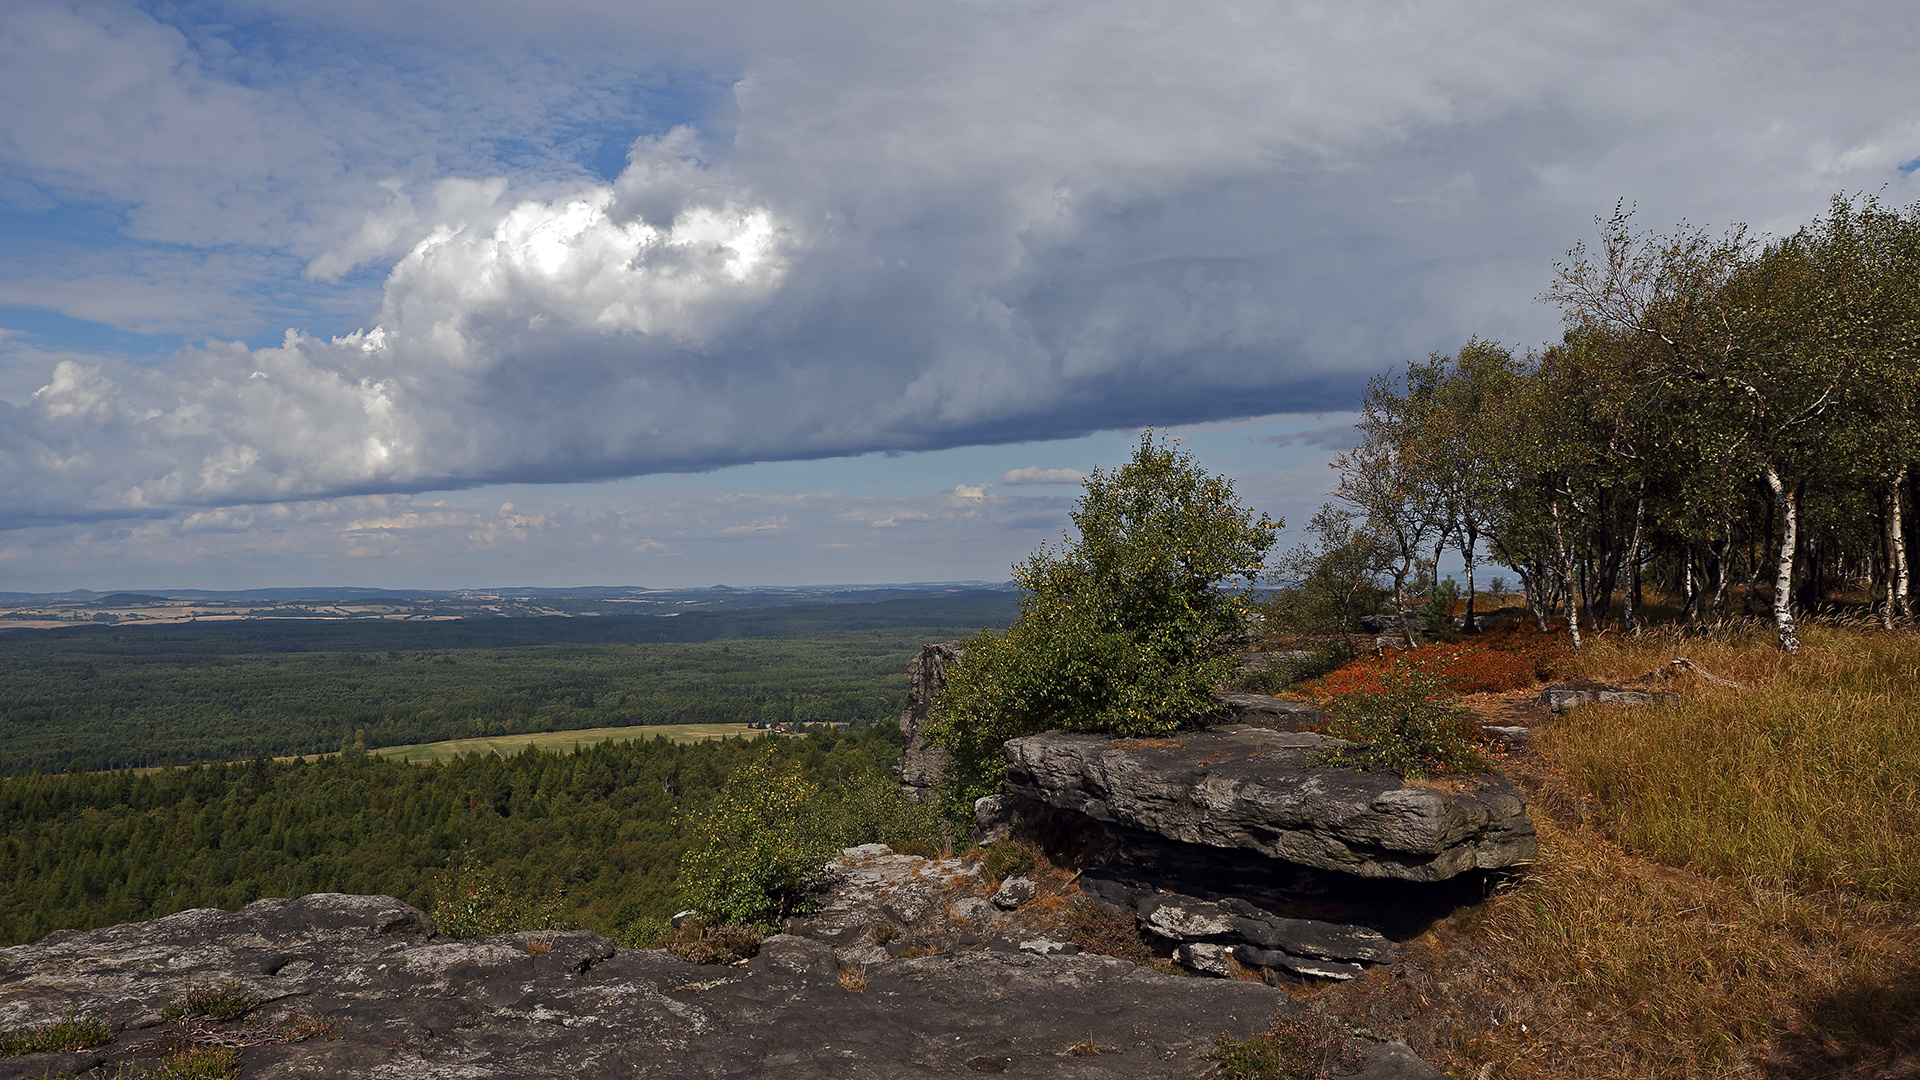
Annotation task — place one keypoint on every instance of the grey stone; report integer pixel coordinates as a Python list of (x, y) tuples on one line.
[(995, 816), (1396, 1061), (1509, 734), (1046, 946), (1484, 623), (407, 1005), (1251, 789), (1568, 693), (1379, 624), (1013, 892), (1206, 958), (921, 762), (1315, 938), (1280, 714), (1254, 956)]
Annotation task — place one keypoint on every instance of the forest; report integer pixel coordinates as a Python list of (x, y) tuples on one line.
[(598, 832), (1729, 419), (115, 698)]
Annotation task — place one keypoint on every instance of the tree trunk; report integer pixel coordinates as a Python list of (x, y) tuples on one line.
[(1783, 498), (1898, 605), (1629, 604), (1688, 591), (1566, 572), (1466, 554), (1722, 574)]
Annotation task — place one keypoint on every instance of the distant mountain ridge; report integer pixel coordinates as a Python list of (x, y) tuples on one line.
[(691, 599)]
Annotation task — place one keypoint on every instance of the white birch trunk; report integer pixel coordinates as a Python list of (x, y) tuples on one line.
[(1783, 570), (1897, 580), (1566, 572)]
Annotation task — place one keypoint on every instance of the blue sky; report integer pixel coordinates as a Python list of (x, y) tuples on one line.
[(444, 294)]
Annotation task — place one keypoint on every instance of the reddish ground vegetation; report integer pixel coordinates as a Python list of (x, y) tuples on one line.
[(1511, 658)]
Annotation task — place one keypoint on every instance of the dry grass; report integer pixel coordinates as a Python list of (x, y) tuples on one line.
[(1810, 776), (1728, 886)]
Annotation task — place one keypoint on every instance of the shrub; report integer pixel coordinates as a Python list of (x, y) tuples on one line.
[(1296, 1046), (473, 900), (1010, 857), (59, 1036), (1105, 931), (757, 849), (1126, 629), (225, 1000), (1436, 615), (713, 943), (1411, 725)]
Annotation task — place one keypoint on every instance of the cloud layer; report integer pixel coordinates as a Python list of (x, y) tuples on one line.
[(867, 228)]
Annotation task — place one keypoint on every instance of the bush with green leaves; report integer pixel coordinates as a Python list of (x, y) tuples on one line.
[(1413, 726), (1297, 1046), (1127, 628), (756, 850)]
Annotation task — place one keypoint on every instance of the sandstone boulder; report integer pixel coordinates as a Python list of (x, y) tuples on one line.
[(1251, 789)]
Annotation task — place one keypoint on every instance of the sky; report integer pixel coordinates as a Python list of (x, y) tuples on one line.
[(445, 294)]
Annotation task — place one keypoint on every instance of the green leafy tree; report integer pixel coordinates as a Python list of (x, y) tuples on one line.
[(1127, 629), (757, 849)]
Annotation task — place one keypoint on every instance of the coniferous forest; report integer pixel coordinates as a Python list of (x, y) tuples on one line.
[(599, 831)]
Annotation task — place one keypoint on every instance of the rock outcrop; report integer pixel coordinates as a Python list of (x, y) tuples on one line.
[(1278, 713), (1568, 693), (921, 762), (1251, 790), (399, 1002)]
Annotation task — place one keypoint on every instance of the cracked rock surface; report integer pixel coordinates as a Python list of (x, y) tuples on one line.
[(404, 1003)]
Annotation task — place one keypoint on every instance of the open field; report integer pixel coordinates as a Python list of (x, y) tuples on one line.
[(564, 741)]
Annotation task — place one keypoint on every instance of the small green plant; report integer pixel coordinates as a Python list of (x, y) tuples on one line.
[(1412, 726), (225, 1000), (886, 934), (58, 1036), (643, 932), (1296, 1046), (199, 1063)]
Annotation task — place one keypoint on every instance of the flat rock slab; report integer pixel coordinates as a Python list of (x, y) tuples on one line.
[(1278, 713), (406, 1004), (1568, 693), (1252, 789)]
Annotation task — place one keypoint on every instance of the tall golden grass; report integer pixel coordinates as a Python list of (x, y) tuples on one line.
[(1810, 776)]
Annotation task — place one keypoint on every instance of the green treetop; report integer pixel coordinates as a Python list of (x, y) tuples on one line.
[(1127, 629)]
